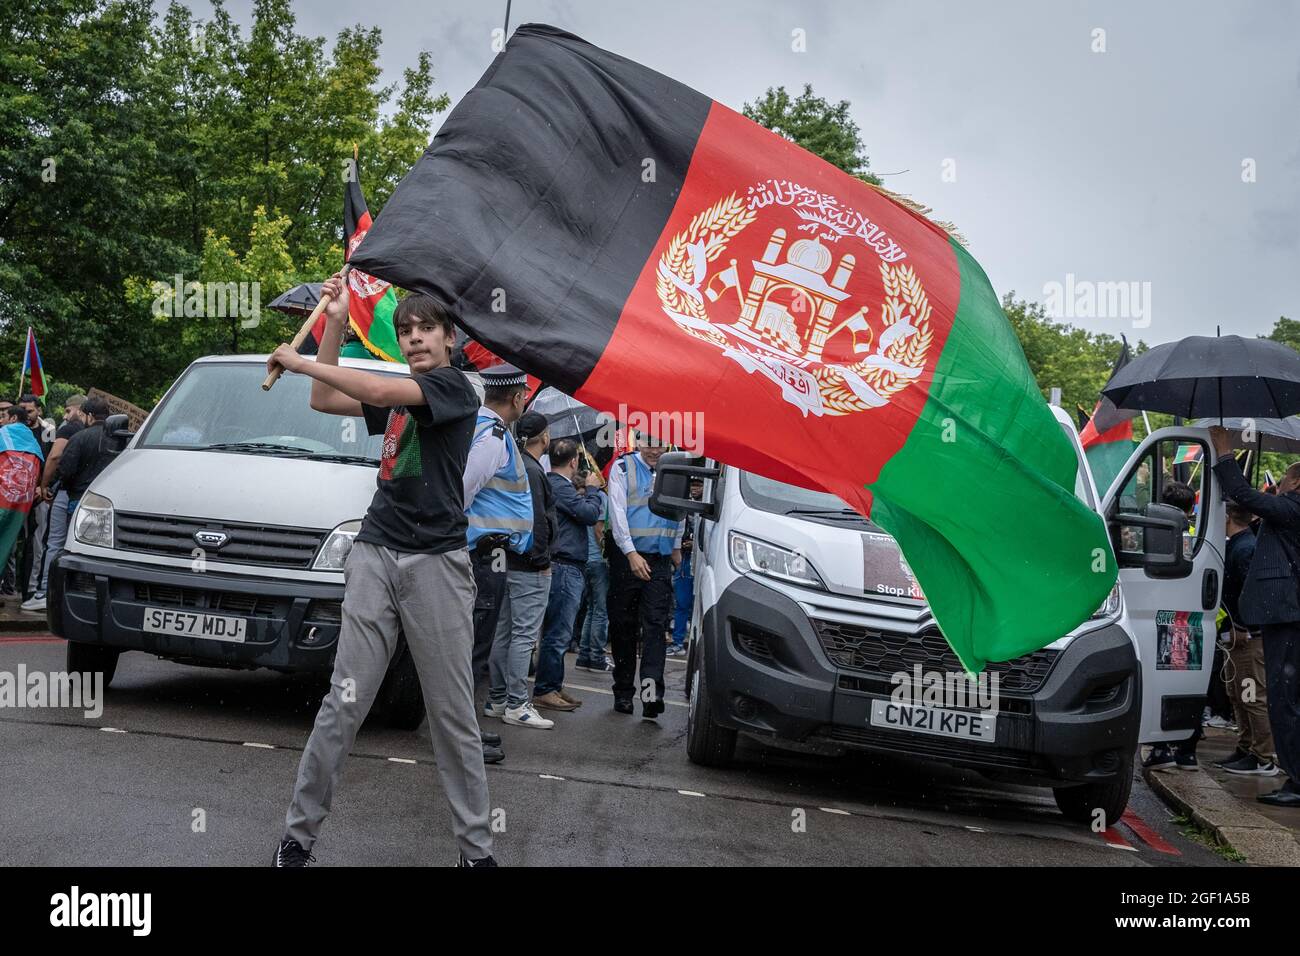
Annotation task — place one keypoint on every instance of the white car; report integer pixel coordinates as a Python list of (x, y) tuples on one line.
[(218, 534), (805, 611)]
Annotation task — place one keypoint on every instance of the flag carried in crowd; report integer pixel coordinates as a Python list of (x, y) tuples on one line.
[(20, 472), (32, 366), (370, 301), (656, 250), (1108, 436)]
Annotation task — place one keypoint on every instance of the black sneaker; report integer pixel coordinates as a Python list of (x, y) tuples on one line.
[(493, 754), (1159, 758), (291, 853), (651, 709), (622, 706), (486, 861), (1252, 766), (1233, 758), (489, 738), (1186, 761)]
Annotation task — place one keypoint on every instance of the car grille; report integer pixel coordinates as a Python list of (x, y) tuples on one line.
[(921, 745), (165, 595), (884, 653), (248, 544)]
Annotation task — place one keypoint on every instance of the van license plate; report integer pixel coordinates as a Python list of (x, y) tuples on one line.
[(214, 627), (968, 725)]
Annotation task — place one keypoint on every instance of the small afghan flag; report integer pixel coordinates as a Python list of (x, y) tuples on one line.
[(20, 472), (32, 366), (1187, 454), (1107, 438), (371, 301), (634, 243)]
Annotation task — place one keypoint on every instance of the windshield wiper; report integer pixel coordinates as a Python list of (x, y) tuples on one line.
[(827, 513), (253, 446), (341, 458)]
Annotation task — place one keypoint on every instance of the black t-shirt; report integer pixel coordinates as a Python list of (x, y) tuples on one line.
[(419, 504), (68, 429), (84, 457)]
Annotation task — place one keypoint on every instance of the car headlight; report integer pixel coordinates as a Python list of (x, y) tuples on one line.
[(93, 521), (334, 552), (1110, 607), (751, 555)]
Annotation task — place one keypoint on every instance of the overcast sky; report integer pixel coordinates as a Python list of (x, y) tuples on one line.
[(1117, 166)]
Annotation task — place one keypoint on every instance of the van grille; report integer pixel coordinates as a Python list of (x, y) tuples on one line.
[(166, 595), (249, 543), (880, 652)]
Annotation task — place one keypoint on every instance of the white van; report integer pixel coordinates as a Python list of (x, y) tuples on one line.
[(218, 535), (805, 612)]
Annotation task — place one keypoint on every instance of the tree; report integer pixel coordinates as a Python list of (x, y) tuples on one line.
[(1286, 331), (179, 146), (818, 126)]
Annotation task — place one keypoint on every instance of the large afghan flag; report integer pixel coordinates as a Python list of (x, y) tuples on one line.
[(370, 301), (20, 472), (632, 242)]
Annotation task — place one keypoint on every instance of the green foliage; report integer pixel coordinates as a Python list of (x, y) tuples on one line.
[(134, 147), (821, 127)]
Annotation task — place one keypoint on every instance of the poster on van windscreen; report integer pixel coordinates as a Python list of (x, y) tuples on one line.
[(884, 571)]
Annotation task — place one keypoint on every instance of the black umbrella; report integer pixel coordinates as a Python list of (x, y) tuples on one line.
[(1211, 377), (300, 300)]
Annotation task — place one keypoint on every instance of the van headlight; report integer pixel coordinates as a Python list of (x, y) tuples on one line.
[(334, 552), (92, 523), (749, 555), (1110, 607)]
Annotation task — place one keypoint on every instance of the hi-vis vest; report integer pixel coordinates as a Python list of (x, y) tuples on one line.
[(504, 505), (651, 534)]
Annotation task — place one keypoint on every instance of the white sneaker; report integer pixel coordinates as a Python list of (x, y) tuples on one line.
[(34, 603), (494, 710), (526, 716)]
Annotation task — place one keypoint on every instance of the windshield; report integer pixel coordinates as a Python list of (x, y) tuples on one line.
[(222, 404), (766, 494)]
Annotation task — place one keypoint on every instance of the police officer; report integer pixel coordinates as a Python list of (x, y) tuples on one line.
[(643, 550), (499, 509)]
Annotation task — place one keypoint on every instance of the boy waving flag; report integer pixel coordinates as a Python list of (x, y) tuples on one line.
[(631, 241)]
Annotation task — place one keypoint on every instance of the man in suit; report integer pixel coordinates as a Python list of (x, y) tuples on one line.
[(1270, 599)]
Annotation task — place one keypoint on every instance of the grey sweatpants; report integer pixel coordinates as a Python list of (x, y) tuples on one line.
[(431, 597)]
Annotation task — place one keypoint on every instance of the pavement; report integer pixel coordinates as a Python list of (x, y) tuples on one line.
[(1225, 804), (14, 620), (194, 766)]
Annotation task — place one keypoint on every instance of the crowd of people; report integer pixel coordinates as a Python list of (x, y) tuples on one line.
[(72, 454), (1255, 689)]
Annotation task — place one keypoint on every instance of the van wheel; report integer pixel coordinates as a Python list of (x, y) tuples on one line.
[(88, 658), (707, 742), (400, 703), (1109, 796)]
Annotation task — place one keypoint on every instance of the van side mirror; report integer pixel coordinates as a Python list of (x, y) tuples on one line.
[(1152, 540), (671, 497), (117, 432)]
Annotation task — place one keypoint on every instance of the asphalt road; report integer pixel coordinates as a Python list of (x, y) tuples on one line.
[(178, 744)]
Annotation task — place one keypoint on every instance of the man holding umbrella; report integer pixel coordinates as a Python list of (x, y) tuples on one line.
[(1271, 600)]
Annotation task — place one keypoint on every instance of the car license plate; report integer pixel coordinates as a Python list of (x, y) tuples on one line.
[(966, 724), (214, 627)]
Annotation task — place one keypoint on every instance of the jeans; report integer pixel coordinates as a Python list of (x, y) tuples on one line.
[(566, 593), (58, 536), (595, 628), (522, 609), (683, 598)]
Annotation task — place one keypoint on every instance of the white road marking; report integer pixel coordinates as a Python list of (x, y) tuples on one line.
[(843, 813), (1122, 846), (549, 776), (976, 829), (691, 793), (112, 730), (610, 693), (248, 743), (402, 760)]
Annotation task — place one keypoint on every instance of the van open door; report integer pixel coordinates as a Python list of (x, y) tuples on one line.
[(1171, 599)]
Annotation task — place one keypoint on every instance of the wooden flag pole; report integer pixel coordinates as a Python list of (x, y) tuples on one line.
[(301, 337)]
